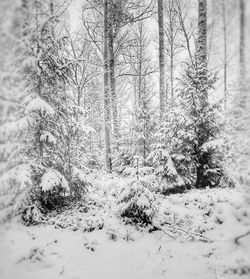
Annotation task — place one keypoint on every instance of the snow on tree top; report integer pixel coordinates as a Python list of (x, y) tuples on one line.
[(38, 104), (51, 179)]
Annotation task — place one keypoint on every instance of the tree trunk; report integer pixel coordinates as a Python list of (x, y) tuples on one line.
[(171, 35), (202, 90), (242, 46), (112, 81), (51, 7), (172, 71), (106, 91), (201, 52), (161, 58), (39, 88), (225, 52)]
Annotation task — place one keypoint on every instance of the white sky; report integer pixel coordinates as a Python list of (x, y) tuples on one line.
[(75, 13)]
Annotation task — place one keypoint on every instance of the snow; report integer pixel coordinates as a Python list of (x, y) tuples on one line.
[(19, 175), (213, 145), (77, 173), (40, 105), (15, 127), (51, 179), (89, 240), (64, 256), (47, 136)]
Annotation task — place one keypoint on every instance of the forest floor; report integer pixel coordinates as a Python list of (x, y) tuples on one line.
[(88, 241)]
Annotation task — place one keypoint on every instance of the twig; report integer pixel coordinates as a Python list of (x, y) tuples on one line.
[(167, 233), (190, 234), (236, 240)]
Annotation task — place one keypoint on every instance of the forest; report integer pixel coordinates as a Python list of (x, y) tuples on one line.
[(124, 139)]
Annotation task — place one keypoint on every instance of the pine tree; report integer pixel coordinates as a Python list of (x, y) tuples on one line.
[(35, 129)]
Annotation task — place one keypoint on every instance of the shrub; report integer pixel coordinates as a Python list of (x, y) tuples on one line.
[(79, 185), (32, 190), (137, 203)]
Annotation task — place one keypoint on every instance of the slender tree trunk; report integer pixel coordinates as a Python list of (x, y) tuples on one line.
[(39, 87), (242, 45), (51, 7), (106, 91), (225, 52), (161, 58), (112, 81), (171, 29), (166, 94), (201, 52), (140, 86), (40, 128), (172, 71), (202, 90)]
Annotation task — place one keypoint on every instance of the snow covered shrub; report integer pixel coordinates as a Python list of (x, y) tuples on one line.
[(53, 187), (33, 214), (31, 190), (112, 233), (128, 236), (79, 183), (36, 254), (172, 152), (123, 157), (137, 203)]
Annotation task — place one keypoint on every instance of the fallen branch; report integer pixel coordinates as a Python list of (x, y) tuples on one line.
[(168, 234), (176, 228), (193, 235), (236, 240)]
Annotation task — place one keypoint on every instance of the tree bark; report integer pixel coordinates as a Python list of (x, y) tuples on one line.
[(171, 41), (225, 52), (172, 70), (202, 91), (112, 81), (242, 45), (106, 91), (161, 58), (201, 52)]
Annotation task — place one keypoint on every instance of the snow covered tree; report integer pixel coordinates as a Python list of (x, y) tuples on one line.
[(173, 147), (36, 128), (161, 57), (207, 125), (140, 69), (107, 120), (188, 150)]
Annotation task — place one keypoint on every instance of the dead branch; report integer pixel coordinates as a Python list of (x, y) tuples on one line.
[(236, 240)]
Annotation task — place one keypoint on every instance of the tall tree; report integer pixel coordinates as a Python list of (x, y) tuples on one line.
[(161, 57), (225, 51), (141, 67), (106, 89), (223, 19), (171, 29), (201, 51), (242, 44)]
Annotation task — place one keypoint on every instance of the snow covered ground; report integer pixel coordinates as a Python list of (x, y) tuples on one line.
[(198, 239)]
